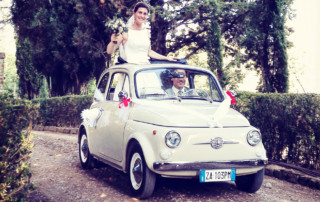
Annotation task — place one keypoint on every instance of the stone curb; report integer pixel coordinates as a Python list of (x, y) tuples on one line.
[(67, 130), (272, 170), (292, 176)]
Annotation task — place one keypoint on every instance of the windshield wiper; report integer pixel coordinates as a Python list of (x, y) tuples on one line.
[(198, 98), (173, 97), (153, 94)]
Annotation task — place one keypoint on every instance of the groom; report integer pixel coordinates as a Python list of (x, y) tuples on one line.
[(178, 81)]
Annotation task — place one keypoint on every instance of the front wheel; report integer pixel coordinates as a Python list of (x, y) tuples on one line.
[(250, 183), (142, 179), (86, 159)]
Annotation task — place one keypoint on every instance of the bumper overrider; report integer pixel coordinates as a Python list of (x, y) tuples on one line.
[(188, 166)]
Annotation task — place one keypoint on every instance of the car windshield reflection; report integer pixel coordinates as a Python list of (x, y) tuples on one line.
[(173, 83)]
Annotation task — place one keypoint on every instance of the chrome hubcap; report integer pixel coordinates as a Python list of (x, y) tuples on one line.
[(136, 171), (84, 148)]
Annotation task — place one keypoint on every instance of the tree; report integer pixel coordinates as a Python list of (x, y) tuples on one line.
[(68, 38), (240, 25), (214, 46), (30, 79), (11, 81), (255, 37), (265, 42)]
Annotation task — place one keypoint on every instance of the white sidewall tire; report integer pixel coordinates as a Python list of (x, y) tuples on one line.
[(136, 159), (86, 159), (83, 141), (142, 180)]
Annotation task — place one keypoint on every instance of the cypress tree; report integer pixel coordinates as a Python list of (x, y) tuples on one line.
[(30, 78), (214, 48), (266, 44)]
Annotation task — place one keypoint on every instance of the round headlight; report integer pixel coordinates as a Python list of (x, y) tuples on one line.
[(254, 137), (172, 139)]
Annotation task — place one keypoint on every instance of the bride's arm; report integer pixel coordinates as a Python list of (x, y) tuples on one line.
[(115, 42), (158, 56)]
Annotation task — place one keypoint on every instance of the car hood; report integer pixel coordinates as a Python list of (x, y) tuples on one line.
[(187, 113)]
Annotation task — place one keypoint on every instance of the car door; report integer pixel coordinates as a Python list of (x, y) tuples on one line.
[(98, 102), (111, 123)]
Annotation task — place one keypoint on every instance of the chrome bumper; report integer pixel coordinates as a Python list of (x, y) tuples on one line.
[(187, 166)]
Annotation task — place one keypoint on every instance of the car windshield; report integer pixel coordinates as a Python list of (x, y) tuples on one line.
[(173, 83)]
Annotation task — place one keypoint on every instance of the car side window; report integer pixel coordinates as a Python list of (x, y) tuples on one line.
[(103, 83), (215, 93), (101, 88), (126, 85), (119, 82)]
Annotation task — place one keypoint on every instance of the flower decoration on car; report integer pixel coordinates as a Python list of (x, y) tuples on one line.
[(233, 101), (125, 102), (91, 116)]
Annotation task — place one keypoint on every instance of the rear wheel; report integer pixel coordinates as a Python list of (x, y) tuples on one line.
[(250, 183), (86, 159), (142, 179)]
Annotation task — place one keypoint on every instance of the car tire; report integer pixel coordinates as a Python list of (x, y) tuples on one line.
[(250, 183), (86, 159), (142, 180)]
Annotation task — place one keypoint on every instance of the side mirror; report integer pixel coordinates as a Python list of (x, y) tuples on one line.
[(233, 93), (122, 95)]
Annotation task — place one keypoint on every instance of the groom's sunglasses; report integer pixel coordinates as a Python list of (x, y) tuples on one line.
[(175, 74)]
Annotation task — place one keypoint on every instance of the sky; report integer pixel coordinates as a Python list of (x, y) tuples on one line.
[(306, 40), (304, 57), (7, 43)]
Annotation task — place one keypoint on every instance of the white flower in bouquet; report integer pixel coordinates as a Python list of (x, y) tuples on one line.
[(116, 25)]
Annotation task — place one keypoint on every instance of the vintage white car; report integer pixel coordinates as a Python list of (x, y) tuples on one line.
[(138, 124)]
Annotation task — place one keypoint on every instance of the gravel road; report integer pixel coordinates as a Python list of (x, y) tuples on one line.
[(58, 176)]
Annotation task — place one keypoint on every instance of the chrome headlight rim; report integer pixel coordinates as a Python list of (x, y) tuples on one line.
[(254, 137), (172, 143)]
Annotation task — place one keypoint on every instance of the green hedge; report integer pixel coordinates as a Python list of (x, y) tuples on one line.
[(62, 111), (289, 123), (15, 147)]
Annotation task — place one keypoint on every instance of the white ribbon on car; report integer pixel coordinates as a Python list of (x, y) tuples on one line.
[(90, 117), (221, 112)]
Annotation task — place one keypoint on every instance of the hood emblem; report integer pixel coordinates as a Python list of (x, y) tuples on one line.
[(217, 143)]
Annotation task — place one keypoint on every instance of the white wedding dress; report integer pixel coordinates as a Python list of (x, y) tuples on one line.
[(137, 46)]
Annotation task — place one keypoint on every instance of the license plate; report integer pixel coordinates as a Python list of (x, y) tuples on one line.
[(217, 175)]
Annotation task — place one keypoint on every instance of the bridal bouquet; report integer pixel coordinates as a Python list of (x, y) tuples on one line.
[(116, 25)]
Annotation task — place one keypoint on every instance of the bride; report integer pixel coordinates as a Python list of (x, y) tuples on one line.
[(135, 46)]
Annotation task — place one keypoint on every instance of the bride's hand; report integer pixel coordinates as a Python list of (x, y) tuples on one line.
[(116, 38), (172, 59)]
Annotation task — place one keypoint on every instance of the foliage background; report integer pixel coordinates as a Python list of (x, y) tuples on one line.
[(62, 111), (68, 39), (16, 118), (11, 81), (289, 123)]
